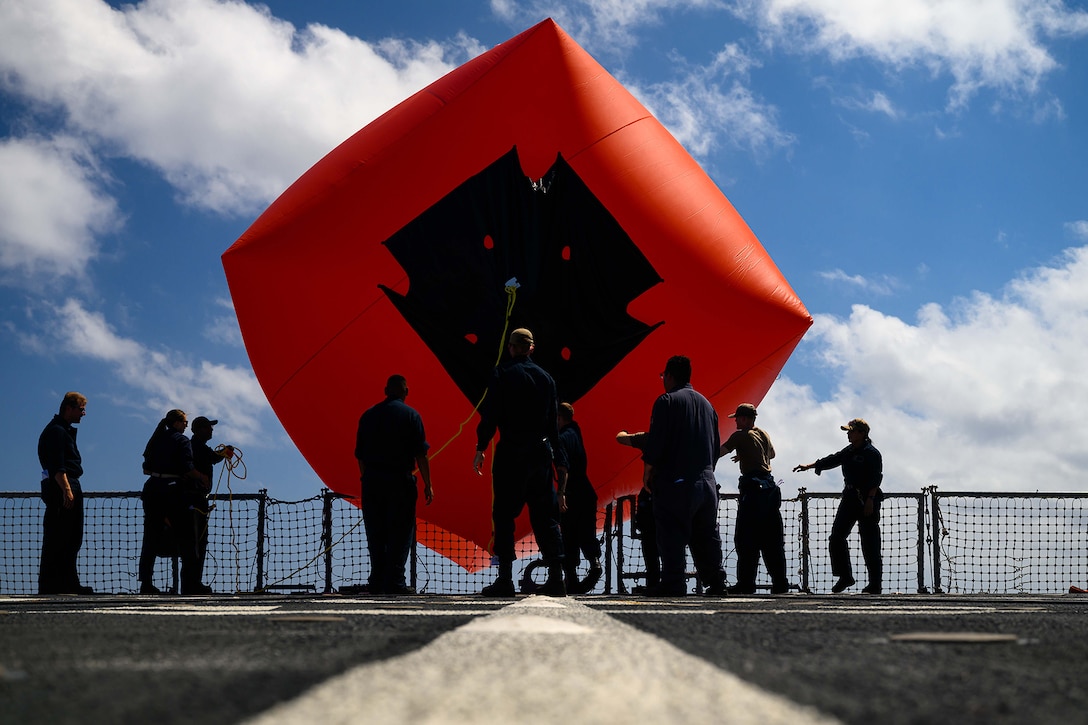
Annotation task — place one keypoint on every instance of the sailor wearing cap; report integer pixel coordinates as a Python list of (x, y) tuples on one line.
[(862, 473), (759, 511)]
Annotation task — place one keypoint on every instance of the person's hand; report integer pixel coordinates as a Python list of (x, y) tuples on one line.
[(562, 503), (623, 438), (428, 494), (69, 497), (478, 462), (868, 510), (802, 467)]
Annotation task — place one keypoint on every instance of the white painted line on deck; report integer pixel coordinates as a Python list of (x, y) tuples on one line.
[(525, 624), (538, 603), (509, 667)]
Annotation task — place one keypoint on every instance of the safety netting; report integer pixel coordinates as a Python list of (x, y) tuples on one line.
[(931, 542)]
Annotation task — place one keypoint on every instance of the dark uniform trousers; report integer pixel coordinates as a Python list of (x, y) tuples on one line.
[(522, 476), (759, 530), (62, 537), (850, 511), (199, 503), (686, 514), (170, 529), (579, 526), (389, 515), (644, 520), (183, 500), (157, 534)]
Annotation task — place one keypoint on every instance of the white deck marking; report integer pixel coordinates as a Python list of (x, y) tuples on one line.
[(524, 624), (495, 670), (539, 603)]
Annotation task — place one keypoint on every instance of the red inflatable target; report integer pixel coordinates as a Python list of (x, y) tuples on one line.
[(526, 188)]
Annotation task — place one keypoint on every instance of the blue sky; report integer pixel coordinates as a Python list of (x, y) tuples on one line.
[(917, 169)]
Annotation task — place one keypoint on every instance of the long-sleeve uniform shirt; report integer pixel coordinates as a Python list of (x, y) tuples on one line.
[(862, 467), (390, 437), (204, 458), (521, 403), (169, 454), (683, 440), (579, 488), (57, 450)]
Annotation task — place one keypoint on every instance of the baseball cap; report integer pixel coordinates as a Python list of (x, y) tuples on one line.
[(857, 424), (201, 421), (745, 409)]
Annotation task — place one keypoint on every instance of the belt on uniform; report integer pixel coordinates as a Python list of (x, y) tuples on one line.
[(163, 475)]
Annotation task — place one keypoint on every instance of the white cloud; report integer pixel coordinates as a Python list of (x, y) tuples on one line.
[(989, 394), (883, 286), (880, 103), (710, 102), (229, 103), (997, 44), (224, 328), (167, 378), (52, 205), (1078, 229), (1048, 109), (877, 102)]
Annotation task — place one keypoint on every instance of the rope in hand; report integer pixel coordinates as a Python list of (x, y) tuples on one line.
[(511, 290), (232, 459)]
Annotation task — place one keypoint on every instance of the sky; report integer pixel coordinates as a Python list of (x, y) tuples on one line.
[(918, 170)]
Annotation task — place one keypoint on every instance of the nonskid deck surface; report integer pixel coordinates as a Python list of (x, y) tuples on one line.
[(431, 658)]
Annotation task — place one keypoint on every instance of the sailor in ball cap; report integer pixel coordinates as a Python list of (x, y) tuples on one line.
[(204, 460), (857, 424), (862, 473), (759, 511), (204, 457)]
